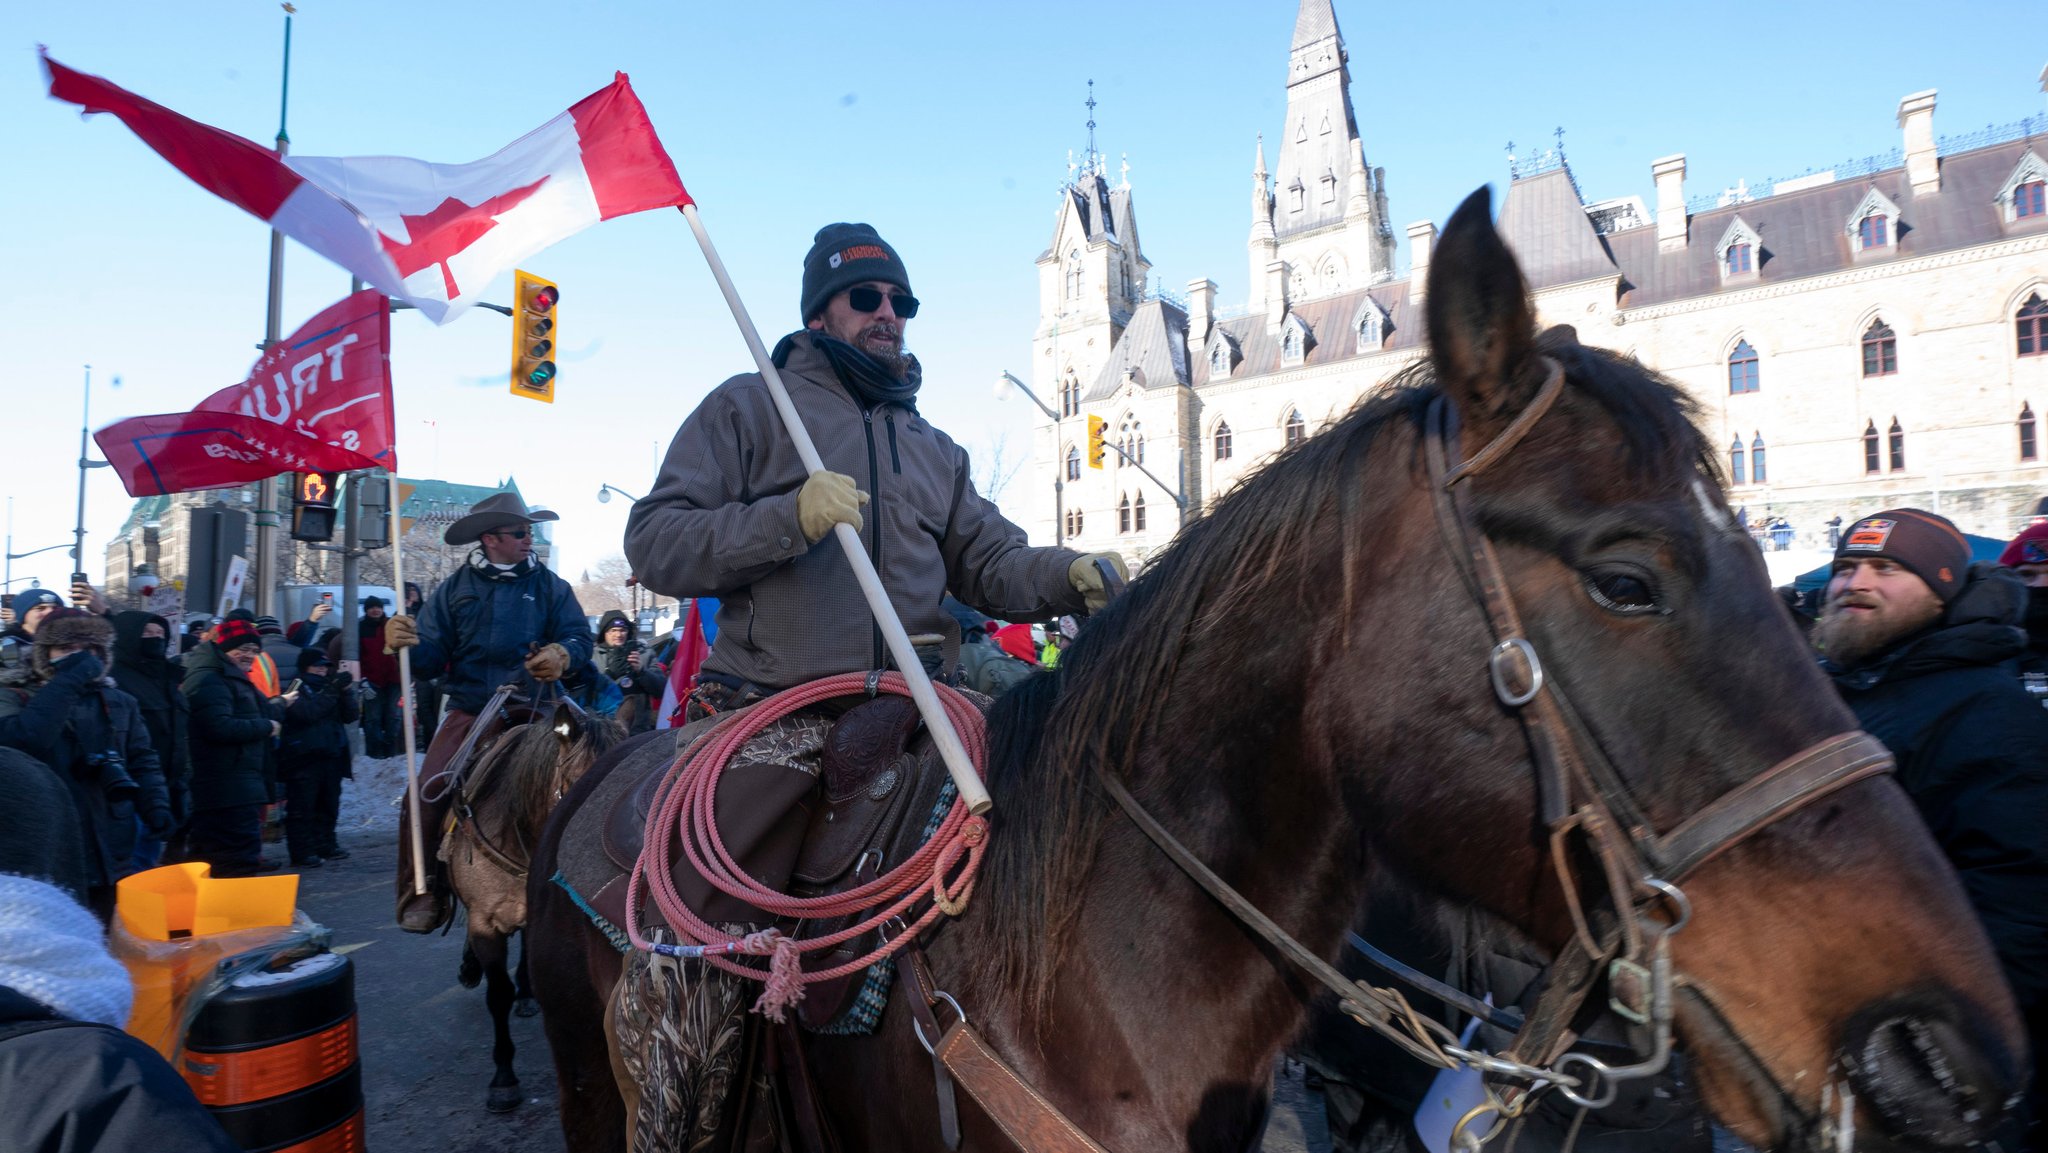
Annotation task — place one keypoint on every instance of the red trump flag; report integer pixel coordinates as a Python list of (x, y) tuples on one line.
[(318, 401)]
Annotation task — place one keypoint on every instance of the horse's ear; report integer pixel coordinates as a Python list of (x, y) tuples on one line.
[(1481, 326)]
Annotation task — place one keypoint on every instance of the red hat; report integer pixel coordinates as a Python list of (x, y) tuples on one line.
[(2030, 547), (1015, 640), (231, 634)]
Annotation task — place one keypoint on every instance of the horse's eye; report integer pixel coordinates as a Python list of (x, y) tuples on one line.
[(1622, 591)]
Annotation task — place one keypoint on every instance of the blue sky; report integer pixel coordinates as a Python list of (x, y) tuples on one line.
[(946, 125)]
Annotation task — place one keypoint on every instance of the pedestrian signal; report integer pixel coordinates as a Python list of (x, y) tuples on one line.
[(534, 338), (313, 505), (1095, 426)]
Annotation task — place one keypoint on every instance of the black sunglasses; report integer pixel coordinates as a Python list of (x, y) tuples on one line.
[(869, 299), (517, 535)]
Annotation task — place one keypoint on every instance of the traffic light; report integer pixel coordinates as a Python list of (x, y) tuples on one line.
[(1095, 426), (313, 505), (534, 338), (373, 508)]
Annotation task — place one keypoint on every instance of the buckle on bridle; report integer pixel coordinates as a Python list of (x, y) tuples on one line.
[(1531, 672)]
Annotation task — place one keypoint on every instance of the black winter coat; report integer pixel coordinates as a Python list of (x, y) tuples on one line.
[(77, 1088), (153, 682), (1972, 747), (314, 727), (66, 721), (230, 733)]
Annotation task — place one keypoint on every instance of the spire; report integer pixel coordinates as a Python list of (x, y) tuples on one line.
[(1262, 197), (1094, 160), (1315, 21), (1259, 162)]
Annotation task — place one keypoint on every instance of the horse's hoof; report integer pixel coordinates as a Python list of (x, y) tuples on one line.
[(471, 971), (526, 1007), (503, 1098)]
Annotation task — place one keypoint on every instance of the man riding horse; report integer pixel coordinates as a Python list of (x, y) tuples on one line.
[(501, 618), (734, 515)]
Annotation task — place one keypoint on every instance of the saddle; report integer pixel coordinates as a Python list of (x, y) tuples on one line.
[(809, 834)]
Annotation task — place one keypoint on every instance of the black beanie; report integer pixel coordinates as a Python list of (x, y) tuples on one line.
[(843, 255), (1925, 544)]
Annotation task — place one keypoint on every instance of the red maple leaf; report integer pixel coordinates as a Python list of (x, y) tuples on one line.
[(447, 229)]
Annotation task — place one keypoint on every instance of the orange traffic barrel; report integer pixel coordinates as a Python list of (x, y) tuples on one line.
[(273, 1057)]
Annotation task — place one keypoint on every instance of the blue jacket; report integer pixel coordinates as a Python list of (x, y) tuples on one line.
[(476, 631)]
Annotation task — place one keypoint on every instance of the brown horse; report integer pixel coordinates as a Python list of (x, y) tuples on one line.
[(526, 760), (1298, 690)]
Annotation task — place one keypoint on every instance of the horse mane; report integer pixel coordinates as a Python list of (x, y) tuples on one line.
[(537, 764), (1050, 736)]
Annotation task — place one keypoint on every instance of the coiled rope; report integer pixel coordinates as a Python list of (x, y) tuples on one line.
[(942, 869)]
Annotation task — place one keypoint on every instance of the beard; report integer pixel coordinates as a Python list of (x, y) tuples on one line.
[(883, 342), (1852, 639)]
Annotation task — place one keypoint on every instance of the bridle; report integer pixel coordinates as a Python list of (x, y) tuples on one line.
[(1584, 802)]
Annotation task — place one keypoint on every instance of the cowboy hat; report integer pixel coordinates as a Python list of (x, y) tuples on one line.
[(498, 510)]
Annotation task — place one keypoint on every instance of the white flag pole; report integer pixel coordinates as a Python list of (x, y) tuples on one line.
[(412, 773), (965, 779)]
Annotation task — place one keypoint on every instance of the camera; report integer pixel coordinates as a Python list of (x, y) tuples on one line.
[(110, 771)]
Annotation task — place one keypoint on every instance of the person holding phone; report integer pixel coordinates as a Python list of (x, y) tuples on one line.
[(313, 759)]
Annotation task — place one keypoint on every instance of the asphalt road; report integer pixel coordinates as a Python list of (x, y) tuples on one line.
[(426, 1040)]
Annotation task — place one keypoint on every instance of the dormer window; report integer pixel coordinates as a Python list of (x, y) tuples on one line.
[(1371, 328), (1740, 252), (1222, 355), (1874, 226), (1329, 186), (1295, 341), (2025, 194), (1295, 194)]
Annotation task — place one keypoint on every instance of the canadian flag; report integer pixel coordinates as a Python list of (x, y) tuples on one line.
[(432, 235)]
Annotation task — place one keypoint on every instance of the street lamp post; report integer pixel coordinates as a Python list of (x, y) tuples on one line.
[(84, 462), (1004, 383), (605, 491)]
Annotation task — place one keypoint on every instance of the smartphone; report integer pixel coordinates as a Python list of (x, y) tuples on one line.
[(326, 598), (293, 687)]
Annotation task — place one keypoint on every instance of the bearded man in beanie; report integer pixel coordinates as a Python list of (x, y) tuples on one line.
[(1919, 643), (63, 710), (502, 618), (734, 515), (233, 726)]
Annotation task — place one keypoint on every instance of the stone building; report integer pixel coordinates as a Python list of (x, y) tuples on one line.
[(1875, 334)]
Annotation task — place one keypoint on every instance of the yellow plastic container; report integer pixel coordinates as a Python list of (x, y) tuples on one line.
[(180, 901), (177, 923)]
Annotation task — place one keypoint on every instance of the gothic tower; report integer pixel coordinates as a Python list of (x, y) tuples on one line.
[(1326, 213), (1090, 279)]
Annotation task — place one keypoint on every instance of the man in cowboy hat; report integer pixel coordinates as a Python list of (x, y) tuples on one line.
[(501, 618), (734, 514)]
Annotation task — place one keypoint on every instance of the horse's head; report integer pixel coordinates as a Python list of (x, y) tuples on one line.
[(1832, 972)]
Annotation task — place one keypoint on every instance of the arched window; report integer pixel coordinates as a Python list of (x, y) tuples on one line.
[(1873, 231), (1138, 513), (1074, 274), (1123, 515), (1130, 437), (2030, 200), (2031, 325), (1736, 473), (1880, 349), (1070, 394), (1898, 446), (1739, 259), (1370, 331), (1073, 524), (1742, 373), (1222, 439), (1073, 462), (1757, 474), (2029, 446), (1295, 430), (1870, 458)]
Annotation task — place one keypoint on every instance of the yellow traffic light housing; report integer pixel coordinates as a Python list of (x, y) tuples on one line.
[(313, 505), (534, 337), (1095, 426)]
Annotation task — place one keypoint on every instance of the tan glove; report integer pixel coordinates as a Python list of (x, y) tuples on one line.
[(828, 498), (548, 664), (1088, 582), (400, 632)]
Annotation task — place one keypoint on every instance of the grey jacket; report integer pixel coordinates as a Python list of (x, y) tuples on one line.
[(721, 521)]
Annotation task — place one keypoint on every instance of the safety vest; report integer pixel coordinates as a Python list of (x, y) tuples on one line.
[(263, 674)]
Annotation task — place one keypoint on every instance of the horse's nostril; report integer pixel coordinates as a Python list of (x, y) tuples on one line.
[(1926, 1080)]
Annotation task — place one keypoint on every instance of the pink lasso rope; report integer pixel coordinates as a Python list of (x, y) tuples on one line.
[(942, 870)]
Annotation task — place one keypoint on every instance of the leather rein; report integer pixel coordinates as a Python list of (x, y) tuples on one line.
[(1583, 800)]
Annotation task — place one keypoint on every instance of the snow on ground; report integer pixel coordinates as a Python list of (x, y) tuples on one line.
[(371, 800)]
